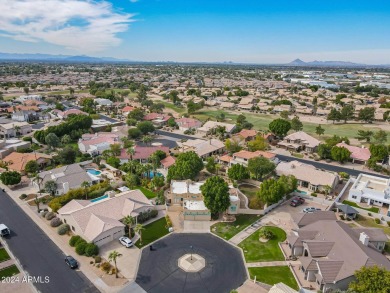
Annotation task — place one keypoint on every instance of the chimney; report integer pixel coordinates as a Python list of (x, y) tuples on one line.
[(364, 238)]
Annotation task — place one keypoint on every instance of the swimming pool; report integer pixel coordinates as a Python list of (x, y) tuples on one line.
[(99, 198), (152, 174), (94, 172)]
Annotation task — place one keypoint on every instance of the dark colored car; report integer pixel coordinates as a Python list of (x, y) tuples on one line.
[(297, 201), (71, 262)]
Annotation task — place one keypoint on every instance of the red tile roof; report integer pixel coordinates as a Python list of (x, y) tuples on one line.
[(168, 161), (361, 154)]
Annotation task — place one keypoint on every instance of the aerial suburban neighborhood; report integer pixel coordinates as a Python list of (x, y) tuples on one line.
[(197, 158)]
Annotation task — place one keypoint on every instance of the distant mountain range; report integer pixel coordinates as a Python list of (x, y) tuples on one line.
[(63, 58), (299, 62)]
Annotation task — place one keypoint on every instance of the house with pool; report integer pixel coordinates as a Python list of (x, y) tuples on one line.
[(95, 144), (99, 220), (69, 177)]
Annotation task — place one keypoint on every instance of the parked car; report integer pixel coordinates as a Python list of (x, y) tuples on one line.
[(125, 241), (71, 262), (4, 230), (297, 201), (310, 210)]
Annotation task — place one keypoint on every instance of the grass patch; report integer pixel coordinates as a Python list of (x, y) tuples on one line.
[(4, 255), (368, 222), (228, 230), (297, 155), (354, 204), (173, 107), (250, 192), (255, 251), (274, 275), (9, 272), (152, 232), (148, 193)]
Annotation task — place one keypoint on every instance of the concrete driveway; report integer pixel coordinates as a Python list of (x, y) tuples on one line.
[(128, 263)]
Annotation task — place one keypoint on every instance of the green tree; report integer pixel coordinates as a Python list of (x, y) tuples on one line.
[(340, 154), (193, 107), (347, 113), (215, 192), (334, 115), (171, 122), (324, 151), (320, 130), (296, 124), (52, 140), (380, 136), (112, 257), (284, 114), (260, 167), (238, 172), (114, 162), (271, 191), (233, 145), (371, 280), (115, 149), (129, 221), (145, 127), (51, 187), (137, 114), (65, 139), (379, 151), (138, 229), (365, 135), (85, 185), (367, 114), (280, 127), (10, 177), (187, 166), (211, 165), (67, 155), (132, 180), (134, 133), (31, 167), (258, 144)]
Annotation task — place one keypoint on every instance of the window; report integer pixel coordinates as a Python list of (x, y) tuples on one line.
[(354, 196)]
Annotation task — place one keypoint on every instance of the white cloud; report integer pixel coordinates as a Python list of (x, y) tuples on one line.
[(81, 25)]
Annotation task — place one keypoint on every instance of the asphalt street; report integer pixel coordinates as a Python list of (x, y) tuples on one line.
[(327, 166), (174, 135), (39, 256)]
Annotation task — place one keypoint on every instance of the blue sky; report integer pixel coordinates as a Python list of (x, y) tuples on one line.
[(212, 31)]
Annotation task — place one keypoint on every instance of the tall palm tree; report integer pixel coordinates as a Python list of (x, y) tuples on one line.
[(112, 258), (130, 151), (129, 221), (85, 185), (148, 168), (138, 229)]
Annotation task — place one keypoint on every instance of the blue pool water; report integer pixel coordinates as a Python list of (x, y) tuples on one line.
[(99, 198), (94, 172), (152, 174), (301, 191)]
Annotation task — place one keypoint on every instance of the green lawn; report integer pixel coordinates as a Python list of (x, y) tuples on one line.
[(152, 232), (354, 204), (250, 192), (368, 222), (228, 230), (255, 251), (274, 275), (173, 107), (148, 193), (4, 255), (9, 272)]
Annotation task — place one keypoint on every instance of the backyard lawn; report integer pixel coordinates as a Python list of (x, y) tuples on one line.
[(9, 272), (256, 251), (4, 255), (354, 204), (250, 192), (368, 222), (148, 193), (152, 232), (228, 230), (274, 275)]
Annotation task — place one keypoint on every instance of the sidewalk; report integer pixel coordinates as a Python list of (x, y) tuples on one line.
[(271, 263), (6, 264)]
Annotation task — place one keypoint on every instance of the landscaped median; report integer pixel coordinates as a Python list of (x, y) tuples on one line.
[(274, 275), (258, 249), (227, 230)]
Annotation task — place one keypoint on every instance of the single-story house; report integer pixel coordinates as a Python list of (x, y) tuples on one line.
[(17, 161), (188, 123), (97, 143), (142, 153), (204, 148), (247, 134), (299, 141), (358, 155), (209, 125), (242, 157)]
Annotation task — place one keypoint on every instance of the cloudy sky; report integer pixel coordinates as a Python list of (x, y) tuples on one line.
[(199, 30)]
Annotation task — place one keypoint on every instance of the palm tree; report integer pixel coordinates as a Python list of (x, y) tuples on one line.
[(138, 229), (112, 258), (130, 151), (17, 130), (85, 185), (38, 180), (147, 139), (148, 168), (129, 221)]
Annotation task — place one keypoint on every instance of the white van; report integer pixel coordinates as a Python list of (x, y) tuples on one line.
[(4, 230)]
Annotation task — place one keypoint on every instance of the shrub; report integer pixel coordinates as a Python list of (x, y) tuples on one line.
[(169, 223), (50, 215), (342, 217), (313, 194), (80, 248), (154, 213), (105, 266), (113, 271), (55, 222), (63, 229), (370, 214), (265, 233), (73, 240), (377, 221), (91, 249), (23, 196), (98, 259), (388, 223), (44, 213), (80, 240)]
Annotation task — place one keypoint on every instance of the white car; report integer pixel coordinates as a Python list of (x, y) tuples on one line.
[(310, 210), (125, 241), (4, 230)]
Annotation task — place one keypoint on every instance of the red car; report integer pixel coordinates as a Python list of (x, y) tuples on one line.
[(297, 201)]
